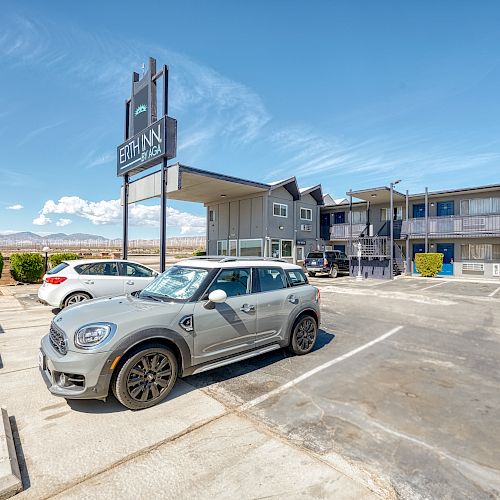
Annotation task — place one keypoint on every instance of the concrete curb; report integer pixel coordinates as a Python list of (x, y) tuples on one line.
[(10, 477)]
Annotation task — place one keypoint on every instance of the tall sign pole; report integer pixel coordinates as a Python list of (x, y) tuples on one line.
[(149, 140), (163, 200)]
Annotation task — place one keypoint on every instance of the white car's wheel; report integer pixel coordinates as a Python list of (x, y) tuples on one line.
[(75, 298)]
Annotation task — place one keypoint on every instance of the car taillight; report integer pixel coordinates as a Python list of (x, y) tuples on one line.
[(318, 295), (55, 280)]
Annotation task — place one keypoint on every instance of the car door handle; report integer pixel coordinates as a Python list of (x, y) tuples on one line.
[(88, 282), (293, 299), (129, 282), (246, 308)]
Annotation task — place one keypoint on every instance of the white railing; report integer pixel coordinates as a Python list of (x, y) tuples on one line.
[(341, 231), (453, 224)]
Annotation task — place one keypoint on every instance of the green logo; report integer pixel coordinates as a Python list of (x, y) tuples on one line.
[(142, 108)]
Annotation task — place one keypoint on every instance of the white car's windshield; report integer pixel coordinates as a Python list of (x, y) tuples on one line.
[(179, 283)]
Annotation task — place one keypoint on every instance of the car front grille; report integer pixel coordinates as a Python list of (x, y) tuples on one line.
[(58, 339)]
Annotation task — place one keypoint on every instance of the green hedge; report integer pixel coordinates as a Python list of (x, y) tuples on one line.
[(429, 264), (1, 264), (26, 267), (199, 253), (56, 258)]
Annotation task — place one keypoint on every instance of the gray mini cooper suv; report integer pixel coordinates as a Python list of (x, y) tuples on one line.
[(200, 314)]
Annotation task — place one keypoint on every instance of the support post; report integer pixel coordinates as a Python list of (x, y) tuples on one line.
[(125, 217), (350, 222), (163, 215), (391, 225), (408, 259), (426, 220)]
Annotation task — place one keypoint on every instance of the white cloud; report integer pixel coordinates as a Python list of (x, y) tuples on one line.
[(108, 212), (63, 222), (41, 220), (17, 206)]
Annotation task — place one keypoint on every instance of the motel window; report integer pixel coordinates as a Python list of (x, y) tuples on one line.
[(232, 248), (286, 248), (480, 251), (385, 213), (359, 217), (306, 214), (211, 215), (222, 247), (280, 210), (480, 206), (275, 249), (250, 248)]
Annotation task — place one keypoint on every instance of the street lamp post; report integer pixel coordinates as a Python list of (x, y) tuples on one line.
[(46, 250), (391, 215), (359, 275)]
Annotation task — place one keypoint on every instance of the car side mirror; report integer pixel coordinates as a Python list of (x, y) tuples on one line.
[(155, 274), (216, 297)]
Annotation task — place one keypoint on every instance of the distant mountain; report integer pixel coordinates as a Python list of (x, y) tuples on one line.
[(33, 237)]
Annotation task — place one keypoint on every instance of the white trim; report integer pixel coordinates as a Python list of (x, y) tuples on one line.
[(281, 205)]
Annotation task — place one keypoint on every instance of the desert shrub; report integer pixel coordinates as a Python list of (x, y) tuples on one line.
[(199, 253), (429, 264), (26, 267), (1, 264), (56, 258)]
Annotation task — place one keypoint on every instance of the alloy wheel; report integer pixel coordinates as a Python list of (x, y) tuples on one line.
[(306, 334)]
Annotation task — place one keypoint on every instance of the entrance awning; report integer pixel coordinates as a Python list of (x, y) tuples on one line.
[(191, 184), (377, 195)]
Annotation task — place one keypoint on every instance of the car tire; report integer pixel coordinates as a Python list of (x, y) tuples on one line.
[(334, 271), (311, 274), (142, 380), (303, 336), (75, 298)]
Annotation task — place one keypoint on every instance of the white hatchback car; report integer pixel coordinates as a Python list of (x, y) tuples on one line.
[(74, 281)]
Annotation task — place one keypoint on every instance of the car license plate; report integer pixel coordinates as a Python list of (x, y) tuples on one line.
[(41, 360), (313, 263)]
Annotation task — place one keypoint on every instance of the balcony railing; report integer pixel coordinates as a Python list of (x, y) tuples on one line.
[(453, 225), (341, 231)]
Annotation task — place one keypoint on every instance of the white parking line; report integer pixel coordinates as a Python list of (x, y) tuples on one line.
[(494, 292), (310, 373), (435, 284)]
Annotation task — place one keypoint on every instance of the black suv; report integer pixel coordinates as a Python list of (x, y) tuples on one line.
[(330, 262)]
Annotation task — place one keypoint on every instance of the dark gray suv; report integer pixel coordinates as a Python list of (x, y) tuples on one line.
[(199, 314)]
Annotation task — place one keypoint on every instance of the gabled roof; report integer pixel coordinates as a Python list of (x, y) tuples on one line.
[(289, 184), (315, 191)]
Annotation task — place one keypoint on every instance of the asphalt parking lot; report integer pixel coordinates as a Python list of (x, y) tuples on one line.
[(399, 399)]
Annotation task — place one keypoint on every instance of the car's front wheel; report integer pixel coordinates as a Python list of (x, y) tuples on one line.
[(304, 335), (146, 377)]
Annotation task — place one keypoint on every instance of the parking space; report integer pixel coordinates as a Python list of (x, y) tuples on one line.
[(399, 398)]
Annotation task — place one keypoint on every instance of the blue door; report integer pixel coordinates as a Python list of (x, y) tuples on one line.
[(339, 218), (418, 210), (445, 208), (417, 248), (325, 226), (448, 251)]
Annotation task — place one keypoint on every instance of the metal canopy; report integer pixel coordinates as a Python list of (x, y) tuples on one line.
[(377, 195), (191, 184)]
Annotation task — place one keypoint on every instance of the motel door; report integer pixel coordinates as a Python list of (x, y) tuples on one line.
[(448, 251)]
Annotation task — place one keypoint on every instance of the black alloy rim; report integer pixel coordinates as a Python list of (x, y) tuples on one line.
[(306, 334), (150, 377)]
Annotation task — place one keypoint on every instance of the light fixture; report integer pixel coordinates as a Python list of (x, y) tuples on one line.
[(373, 195), (281, 227), (223, 195)]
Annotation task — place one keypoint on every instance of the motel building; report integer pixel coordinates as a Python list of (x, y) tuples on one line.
[(282, 220)]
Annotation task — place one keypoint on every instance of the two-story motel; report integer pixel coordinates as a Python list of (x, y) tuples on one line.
[(280, 219)]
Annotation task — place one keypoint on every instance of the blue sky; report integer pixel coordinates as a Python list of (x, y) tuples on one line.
[(349, 94)]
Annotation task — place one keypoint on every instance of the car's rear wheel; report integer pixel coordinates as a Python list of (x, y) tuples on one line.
[(146, 377), (304, 335), (311, 274), (334, 271), (75, 298)]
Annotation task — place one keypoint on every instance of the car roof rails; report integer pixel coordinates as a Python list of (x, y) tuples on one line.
[(219, 258)]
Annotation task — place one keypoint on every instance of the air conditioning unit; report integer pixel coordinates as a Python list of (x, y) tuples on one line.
[(305, 227), (496, 269)]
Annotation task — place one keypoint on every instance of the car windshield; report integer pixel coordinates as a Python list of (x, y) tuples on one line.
[(314, 255), (178, 283)]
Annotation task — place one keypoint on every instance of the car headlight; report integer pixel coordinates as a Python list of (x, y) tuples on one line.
[(94, 334)]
